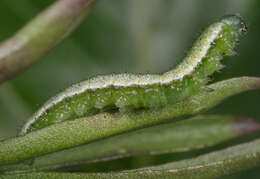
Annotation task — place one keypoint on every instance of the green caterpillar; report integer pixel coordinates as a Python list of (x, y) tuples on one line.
[(130, 91)]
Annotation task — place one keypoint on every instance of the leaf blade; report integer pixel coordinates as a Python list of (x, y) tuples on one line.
[(213, 165), (186, 135)]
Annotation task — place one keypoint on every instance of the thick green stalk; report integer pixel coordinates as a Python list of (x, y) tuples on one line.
[(72, 133), (40, 35)]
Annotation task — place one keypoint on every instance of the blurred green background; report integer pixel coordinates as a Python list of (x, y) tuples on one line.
[(126, 36)]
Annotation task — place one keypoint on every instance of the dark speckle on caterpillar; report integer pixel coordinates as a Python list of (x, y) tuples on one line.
[(130, 91)]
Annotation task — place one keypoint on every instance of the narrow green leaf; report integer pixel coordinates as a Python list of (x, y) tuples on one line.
[(49, 176), (213, 165), (216, 164), (186, 135), (40, 35), (72, 133)]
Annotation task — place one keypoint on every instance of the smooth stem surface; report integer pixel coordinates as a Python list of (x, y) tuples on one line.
[(40, 35), (72, 133)]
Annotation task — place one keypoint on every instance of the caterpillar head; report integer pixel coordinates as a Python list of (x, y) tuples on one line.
[(236, 23), (233, 27)]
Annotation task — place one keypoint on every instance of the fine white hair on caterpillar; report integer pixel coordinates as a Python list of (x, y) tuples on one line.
[(132, 91)]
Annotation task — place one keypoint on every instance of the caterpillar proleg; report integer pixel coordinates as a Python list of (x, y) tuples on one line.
[(131, 91)]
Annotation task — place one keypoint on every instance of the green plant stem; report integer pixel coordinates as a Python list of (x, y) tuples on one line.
[(72, 133), (212, 165), (186, 135), (40, 35)]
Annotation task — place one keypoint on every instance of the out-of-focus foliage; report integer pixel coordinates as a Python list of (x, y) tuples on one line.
[(119, 36)]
